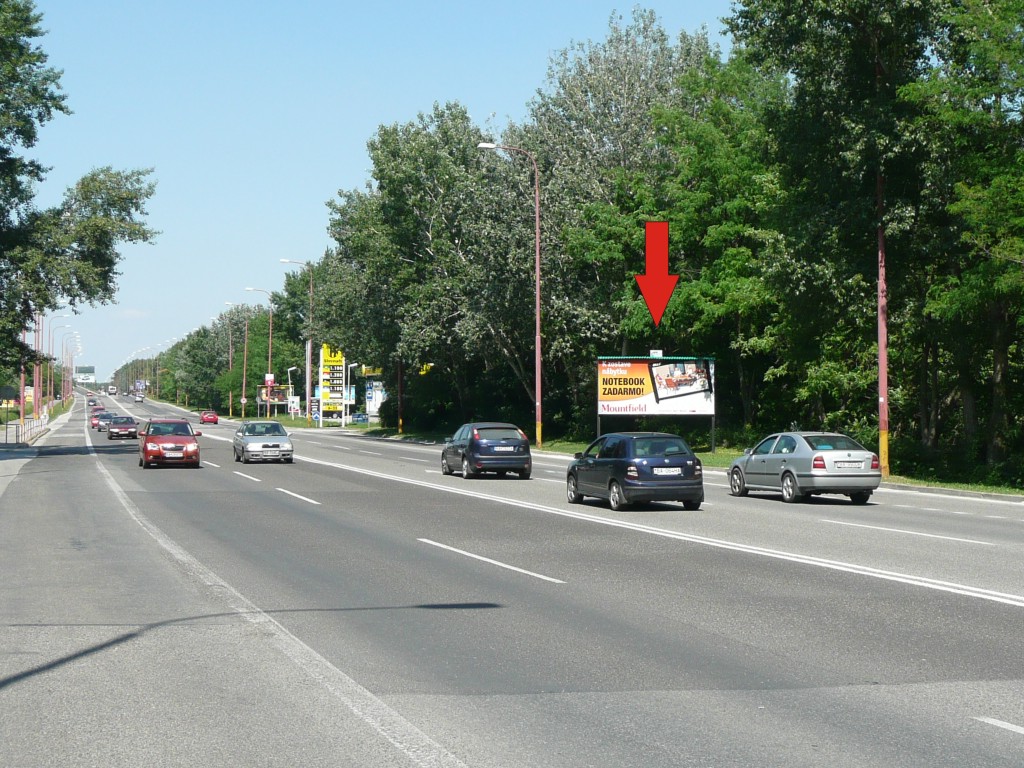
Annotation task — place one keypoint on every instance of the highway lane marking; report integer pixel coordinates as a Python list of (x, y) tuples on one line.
[(417, 746), (411, 458), (909, 533), (819, 562), (1001, 724), (248, 477), (311, 501), (211, 464), (371, 453), (492, 562)]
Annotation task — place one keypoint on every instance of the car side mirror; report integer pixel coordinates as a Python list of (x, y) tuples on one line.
[(448, 439), (578, 455), (747, 451), (198, 434)]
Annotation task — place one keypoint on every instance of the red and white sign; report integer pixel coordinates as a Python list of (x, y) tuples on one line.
[(268, 379)]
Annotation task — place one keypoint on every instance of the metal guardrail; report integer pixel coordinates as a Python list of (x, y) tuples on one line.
[(16, 432)]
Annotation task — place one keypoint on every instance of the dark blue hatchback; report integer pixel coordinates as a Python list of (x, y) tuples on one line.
[(487, 446), (630, 467)]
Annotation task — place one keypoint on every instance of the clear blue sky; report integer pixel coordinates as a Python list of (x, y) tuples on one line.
[(254, 114)]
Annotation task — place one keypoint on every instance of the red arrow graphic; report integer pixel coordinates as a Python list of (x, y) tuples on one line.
[(656, 284)]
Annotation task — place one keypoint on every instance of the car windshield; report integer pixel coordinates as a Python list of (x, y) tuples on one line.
[(177, 430), (833, 443), (122, 420), (660, 446), (498, 433), (263, 430)]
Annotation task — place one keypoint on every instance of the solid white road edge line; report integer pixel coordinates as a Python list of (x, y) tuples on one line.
[(863, 570), (492, 562), (909, 533), (403, 735)]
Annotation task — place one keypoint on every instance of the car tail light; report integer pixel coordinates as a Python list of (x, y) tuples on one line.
[(631, 471), (523, 435), (818, 462), (476, 435), (875, 464)]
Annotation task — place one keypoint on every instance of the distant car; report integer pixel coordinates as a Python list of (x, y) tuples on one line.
[(262, 441), (103, 419), (91, 402), (139, 398), (208, 417), (630, 467), (168, 441), (94, 420), (801, 464), (487, 446), (122, 427)]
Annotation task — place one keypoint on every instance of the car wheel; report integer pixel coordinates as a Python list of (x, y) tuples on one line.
[(445, 469), (737, 486), (245, 459), (616, 498), (142, 463), (572, 493), (289, 460), (691, 506), (861, 497), (237, 457), (467, 471), (790, 490), (524, 475)]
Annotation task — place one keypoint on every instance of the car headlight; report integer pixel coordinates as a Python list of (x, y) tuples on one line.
[(286, 446), (192, 447), (152, 446)]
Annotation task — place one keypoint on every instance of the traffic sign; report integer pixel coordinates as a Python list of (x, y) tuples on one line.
[(243, 400)]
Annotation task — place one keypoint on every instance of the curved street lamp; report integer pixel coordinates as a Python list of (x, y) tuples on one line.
[(537, 342)]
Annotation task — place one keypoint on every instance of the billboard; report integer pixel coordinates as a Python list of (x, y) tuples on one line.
[(655, 386)]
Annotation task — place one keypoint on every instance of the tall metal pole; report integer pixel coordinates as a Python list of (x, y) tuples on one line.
[(245, 363), (309, 338), (537, 363), (883, 336)]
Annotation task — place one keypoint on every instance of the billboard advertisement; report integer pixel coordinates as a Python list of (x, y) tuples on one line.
[(656, 386)]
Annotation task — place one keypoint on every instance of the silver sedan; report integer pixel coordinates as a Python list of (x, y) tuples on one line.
[(262, 441), (801, 464)]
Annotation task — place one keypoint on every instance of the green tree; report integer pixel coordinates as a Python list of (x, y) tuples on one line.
[(66, 255)]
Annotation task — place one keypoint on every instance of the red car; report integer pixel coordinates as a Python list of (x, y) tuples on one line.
[(95, 419), (168, 441), (208, 417)]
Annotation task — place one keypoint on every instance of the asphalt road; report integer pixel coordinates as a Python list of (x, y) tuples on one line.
[(357, 608)]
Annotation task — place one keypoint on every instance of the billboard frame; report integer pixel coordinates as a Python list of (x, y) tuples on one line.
[(640, 386)]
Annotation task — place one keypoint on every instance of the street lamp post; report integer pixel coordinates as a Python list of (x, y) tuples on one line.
[(309, 338), (49, 376), (270, 343), (344, 392), (537, 341), (292, 368)]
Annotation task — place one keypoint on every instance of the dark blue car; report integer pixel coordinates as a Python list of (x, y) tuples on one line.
[(631, 467)]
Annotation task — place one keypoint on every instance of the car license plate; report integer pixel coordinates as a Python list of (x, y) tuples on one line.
[(504, 448), (849, 464), (271, 453), (174, 454), (668, 470)]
